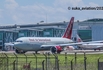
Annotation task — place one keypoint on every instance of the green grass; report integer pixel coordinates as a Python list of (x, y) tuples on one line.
[(64, 61)]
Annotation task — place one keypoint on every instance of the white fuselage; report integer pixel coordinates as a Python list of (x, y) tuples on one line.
[(35, 43), (91, 45)]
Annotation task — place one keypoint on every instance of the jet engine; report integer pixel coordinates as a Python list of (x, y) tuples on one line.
[(55, 49)]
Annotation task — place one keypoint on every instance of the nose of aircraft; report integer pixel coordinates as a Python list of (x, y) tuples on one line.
[(17, 45)]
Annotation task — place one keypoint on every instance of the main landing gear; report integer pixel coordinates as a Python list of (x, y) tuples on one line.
[(20, 51), (36, 52)]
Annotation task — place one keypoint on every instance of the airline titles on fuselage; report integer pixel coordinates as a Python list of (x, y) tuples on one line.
[(39, 39)]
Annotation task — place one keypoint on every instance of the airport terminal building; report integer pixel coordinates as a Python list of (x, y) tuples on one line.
[(91, 29)]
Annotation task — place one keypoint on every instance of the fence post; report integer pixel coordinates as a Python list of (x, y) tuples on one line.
[(2, 61), (72, 64), (75, 58), (85, 61), (56, 62), (43, 64), (14, 65), (65, 58), (26, 58), (7, 60), (46, 60), (16, 61), (98, 63), (36, 59)]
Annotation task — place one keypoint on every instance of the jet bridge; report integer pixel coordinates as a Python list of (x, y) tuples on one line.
[(7, 36)]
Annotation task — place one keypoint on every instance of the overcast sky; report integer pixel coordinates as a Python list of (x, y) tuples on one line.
[(33, 11)]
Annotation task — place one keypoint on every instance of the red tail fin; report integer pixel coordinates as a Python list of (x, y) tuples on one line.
[(68, 31), (79, 39)]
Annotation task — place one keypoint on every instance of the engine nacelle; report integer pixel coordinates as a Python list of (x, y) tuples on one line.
[(55, 49)]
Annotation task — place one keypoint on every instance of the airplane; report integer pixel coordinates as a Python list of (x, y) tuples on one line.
[(54, 44), (95, 46)]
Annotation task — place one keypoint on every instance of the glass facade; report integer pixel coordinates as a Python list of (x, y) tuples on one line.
[(40, 34), (53, 32), (6, 37), (85, 35), (22, 33), (1, 39), (29, 33), (48, 32), (58, 32)]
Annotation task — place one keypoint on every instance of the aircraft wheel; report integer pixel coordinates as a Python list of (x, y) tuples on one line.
[(94, 49), (36, 52), (99, 49), (19, 51)]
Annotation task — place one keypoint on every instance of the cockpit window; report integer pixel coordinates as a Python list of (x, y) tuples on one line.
[(18, 41)]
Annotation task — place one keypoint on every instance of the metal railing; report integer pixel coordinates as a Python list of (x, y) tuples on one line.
[(47, 62)]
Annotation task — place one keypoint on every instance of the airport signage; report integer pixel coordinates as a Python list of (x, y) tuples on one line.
[(84, 27)]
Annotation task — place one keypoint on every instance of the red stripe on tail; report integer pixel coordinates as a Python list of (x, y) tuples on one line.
[(68, 31), (79, 39)]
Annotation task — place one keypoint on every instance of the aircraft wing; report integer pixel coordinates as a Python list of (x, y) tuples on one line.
[(95, 41), (62, 45), (48, 46), (99, 46), (80, 43), (69, 44)]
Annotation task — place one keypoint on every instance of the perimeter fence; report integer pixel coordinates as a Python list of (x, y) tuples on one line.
[(47, 61)]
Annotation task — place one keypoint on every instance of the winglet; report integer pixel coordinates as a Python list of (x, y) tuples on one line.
[(68, 31)]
